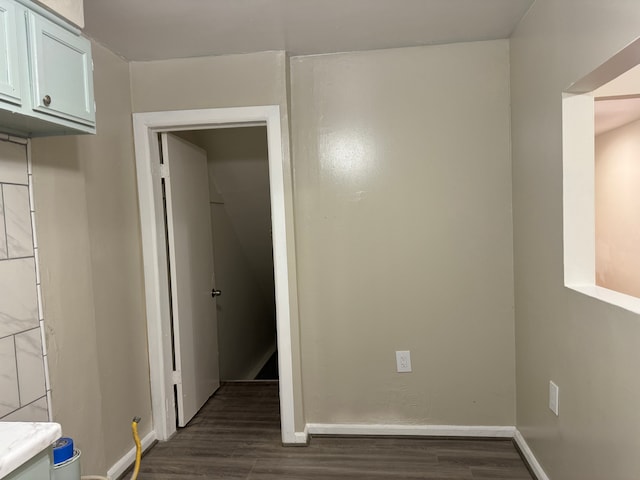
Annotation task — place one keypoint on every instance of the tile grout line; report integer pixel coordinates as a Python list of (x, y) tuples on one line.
[(15, 258), (20, 332), (23, 406), (14, 184), (17, 140)]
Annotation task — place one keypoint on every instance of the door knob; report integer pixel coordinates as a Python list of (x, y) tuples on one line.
[(46, 100), (215, 293)]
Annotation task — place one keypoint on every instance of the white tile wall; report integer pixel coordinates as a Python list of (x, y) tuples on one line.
[(17, 217), (34, 412), (25, 393), (10, 398), (13, 163), (18, 296), (31, 383)]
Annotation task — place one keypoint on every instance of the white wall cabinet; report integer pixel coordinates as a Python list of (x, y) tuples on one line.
[(46, 74), (10, 90)]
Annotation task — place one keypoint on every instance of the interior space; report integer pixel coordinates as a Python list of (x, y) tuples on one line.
[(391, 239)]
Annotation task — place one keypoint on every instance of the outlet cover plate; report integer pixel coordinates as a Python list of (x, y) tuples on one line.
[(403, 361)]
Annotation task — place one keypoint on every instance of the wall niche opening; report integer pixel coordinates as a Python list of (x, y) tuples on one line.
[(601, 182)]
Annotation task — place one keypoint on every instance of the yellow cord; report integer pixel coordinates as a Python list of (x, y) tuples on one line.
[(136, 438)]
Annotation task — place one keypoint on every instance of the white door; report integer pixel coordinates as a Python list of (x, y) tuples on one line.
[(195, 332)]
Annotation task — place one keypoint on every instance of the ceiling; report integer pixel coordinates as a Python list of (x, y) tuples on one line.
[(615, 113), (161, 29), (618, 101)]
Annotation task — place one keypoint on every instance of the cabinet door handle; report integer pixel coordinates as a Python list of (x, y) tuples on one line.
[(46, 100)]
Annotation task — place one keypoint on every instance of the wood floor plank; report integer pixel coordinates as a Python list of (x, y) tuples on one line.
[(236, 435)]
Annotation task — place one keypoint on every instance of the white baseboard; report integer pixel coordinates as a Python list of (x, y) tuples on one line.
[(529, 456), (262, 362), (297, 438), (410, 430), (129, 458), (430, 431)]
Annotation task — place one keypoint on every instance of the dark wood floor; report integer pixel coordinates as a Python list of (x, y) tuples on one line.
[(237, 436)]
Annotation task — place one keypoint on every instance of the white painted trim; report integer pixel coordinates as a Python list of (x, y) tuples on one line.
[(578, 196), (255, 370), (411, 430), (129, 458), (578, 193), (295, 438), (428, 431), (155, 271), (622, 300), (298, 438), (529, 456), (146, 127)]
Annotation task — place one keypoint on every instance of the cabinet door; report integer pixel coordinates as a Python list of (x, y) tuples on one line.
[(9, 70), (61, 71), (38, 468)]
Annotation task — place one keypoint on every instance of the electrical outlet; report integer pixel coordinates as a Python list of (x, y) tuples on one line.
[(403, 361), (554, 393)]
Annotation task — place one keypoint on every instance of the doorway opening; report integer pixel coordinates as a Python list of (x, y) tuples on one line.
[(150, 172), (240, 218)]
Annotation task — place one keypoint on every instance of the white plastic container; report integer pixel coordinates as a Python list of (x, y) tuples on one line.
[(69, 470)]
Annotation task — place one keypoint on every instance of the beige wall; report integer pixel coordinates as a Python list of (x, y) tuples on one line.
[(241, 222), (72, 10), (246, 321), (588, 348), (239, 170), (617, 178), (225, 81), (403, 223), (209, 82), (88, 228), (396, 98)]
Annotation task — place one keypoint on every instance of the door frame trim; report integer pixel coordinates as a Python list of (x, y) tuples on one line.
[(146, 126)]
